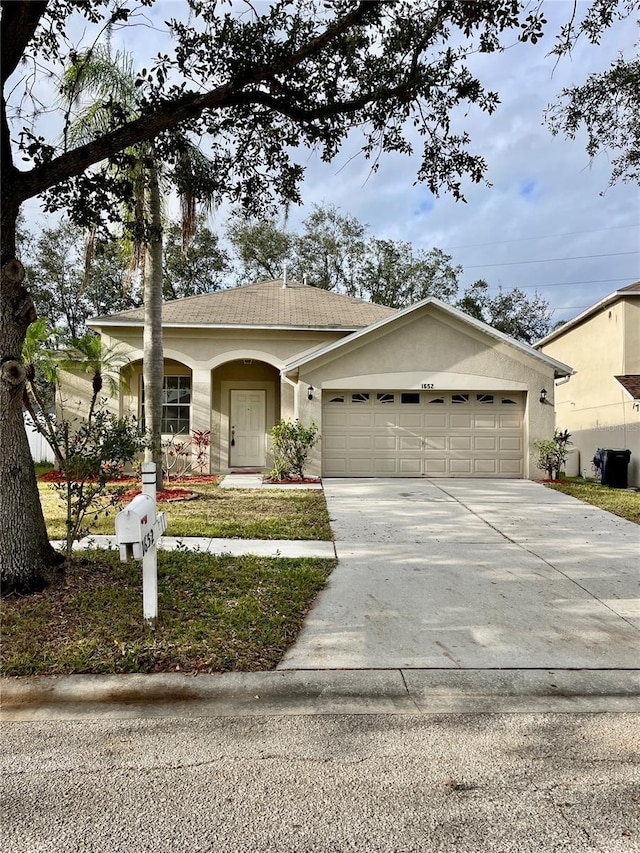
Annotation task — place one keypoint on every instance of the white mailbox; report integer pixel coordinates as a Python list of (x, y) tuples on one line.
[(137, 528), (137, 533)]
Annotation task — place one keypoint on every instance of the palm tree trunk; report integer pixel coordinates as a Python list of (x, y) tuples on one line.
[(153, 353), (26, 556)]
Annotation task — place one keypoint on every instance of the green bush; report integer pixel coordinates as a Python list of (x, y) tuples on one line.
[(292, 443)]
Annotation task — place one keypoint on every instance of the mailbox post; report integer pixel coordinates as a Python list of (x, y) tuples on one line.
[(138, 530)]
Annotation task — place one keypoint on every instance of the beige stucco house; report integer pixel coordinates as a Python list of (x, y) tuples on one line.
[(600, 406), (421, 392)]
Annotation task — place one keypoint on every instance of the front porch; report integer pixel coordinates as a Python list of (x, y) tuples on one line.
[(238, 401)]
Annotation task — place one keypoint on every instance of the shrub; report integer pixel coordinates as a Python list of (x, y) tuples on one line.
[(292, 443), (552, 453), (91, 452), (201, 440)]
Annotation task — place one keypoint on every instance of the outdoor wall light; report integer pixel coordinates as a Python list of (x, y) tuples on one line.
[(310, 392), (543, 395)]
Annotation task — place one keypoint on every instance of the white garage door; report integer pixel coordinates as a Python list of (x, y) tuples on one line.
[(422, 434)]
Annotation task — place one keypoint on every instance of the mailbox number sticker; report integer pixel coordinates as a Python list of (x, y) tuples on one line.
[(147, 541)]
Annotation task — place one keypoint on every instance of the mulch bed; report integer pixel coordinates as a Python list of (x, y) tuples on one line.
[(165, 496), (182, 491)]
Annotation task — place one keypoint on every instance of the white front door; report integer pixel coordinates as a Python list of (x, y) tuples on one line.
[(247, 439)]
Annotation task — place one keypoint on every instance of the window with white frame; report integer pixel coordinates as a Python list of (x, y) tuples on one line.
[(176, 404)]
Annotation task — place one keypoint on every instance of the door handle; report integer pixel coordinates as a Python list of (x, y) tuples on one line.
[(233, 436)]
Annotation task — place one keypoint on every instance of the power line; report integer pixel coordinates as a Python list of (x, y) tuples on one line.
[(541, 237), (549, 260), (570, 308), (569, 283)]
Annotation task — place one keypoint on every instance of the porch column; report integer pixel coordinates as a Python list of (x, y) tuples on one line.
[(287, 405), (200, 412)]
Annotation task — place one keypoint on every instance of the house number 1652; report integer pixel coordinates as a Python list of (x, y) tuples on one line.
[(427, 386)]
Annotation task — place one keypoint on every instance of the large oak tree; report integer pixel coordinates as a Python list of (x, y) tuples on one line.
[(260, 83)]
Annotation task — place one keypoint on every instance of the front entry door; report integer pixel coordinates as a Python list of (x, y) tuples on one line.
[(247, 439)]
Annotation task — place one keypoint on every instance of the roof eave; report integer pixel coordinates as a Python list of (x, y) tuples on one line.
[(99, 323), (588, 312), (629, 393)]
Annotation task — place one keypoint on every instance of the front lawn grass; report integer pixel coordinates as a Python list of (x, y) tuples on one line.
[(215, 614), (620, 502), (221, 513)]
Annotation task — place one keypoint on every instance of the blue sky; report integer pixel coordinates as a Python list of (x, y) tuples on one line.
[(548, 222)]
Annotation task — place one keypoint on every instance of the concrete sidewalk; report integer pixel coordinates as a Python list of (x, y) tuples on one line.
[(293, 548), (255, 481)]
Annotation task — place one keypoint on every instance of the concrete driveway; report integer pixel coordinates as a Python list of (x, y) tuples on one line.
[(473, 574)]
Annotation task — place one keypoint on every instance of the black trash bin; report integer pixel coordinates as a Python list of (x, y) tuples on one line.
[(614, 468)]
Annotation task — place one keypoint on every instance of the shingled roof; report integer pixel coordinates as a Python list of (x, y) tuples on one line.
[(631, 384), (264, 304)]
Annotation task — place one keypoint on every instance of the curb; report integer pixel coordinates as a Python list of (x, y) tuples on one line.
[(311, 692)]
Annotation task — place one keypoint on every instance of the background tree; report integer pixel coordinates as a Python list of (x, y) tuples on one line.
[(262, 83), (396, 274), (71, 282), (110, 282), (200, 268), (526, 318), (261, 246), (330, 251), (56, 279)]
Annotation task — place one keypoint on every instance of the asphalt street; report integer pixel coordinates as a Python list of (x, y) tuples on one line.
[(528, 783)]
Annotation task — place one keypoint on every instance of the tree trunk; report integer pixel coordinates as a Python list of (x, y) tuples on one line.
[(27, 560), (153, 353)]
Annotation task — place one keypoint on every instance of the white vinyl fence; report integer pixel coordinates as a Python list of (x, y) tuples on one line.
[(40, 450)]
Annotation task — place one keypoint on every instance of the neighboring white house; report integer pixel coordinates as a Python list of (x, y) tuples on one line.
[(600, 406), (423, 392)]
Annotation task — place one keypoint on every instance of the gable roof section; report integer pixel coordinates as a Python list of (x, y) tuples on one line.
[(559, 367), (631, 384), (630, 291), (265, 304)]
